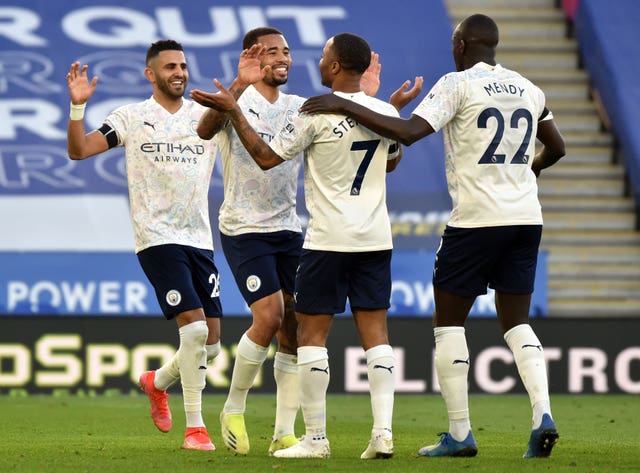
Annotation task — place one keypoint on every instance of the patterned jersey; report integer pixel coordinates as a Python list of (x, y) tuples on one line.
[(168, 170), (257, 201), (344, 177), (490, 117)]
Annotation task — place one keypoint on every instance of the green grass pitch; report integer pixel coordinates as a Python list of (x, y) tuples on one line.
[(115, 434)]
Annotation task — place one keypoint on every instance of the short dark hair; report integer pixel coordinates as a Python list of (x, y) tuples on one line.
[(352, 51), (162, 45), (252, 36), (480, 29)]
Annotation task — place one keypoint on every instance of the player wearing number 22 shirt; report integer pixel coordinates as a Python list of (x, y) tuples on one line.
[(488, 115)]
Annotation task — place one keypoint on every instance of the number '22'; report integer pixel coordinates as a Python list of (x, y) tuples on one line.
[(490, 156)]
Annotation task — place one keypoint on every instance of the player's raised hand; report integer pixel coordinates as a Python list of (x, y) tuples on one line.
[(370, 79), (223, 101), (404, 95), (80, 89), (249, 71)]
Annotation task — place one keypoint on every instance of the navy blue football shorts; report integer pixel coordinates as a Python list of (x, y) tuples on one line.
[(263, 263), (503, 258), (325, 279), (184, 278)]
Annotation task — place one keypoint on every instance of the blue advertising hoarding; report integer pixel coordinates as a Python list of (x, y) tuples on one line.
[(113, 284)]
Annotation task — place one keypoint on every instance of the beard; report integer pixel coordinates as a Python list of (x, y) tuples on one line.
[(166, 88), (276, 81)]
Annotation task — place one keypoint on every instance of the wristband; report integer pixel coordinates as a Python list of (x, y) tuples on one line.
[(77, 111)]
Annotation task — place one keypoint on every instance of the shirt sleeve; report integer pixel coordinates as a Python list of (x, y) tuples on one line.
[(441, 104), (296, 135), (117, 120)]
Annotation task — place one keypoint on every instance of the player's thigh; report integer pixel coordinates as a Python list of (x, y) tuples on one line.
[(206, 278), (321, 282), (252, 264), (287, 261), (515, 270), (369, 279), (466, 258), (170, 271)]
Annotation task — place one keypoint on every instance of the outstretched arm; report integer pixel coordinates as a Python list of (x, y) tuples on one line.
[(553, 148), (79, 144), (249, 72), (260, 151), (406, 131)]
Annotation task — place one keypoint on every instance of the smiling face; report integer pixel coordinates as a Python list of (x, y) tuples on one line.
[(278, 56), (168, 73)]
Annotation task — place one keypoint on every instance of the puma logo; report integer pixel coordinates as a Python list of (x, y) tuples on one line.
[(539, 347), (255, 113), (466, 362), (315, 368), (202, 367), (150, 124), (388, 368)]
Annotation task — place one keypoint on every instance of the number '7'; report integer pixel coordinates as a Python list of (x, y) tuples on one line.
[(370, 148)]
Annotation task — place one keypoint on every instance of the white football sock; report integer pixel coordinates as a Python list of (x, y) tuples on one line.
[(285, 372), (212, 351), (167, 374), (452, 366), (249, 358), (192, 361), (380, 366), (529, 357), (313, 376)]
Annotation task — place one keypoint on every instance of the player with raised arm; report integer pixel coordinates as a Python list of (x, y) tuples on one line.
[(168, 172), (260, 231), (347, 247), (261, 236), (491, 116)]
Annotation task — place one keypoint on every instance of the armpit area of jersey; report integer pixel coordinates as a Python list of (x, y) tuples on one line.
[(545, 115)]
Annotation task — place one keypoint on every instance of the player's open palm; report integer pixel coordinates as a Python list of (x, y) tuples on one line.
[(370, 79), (80, 89), (223, 100), (249, 71), (403, 95)]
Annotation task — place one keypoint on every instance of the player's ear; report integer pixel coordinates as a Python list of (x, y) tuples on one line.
[(148, 73)]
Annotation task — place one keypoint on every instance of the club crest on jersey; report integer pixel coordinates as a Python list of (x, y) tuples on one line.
[(173, 297), (253, 283)]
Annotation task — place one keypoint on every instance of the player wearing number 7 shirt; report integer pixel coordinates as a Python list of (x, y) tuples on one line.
[(491, 117), (347, 247)]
